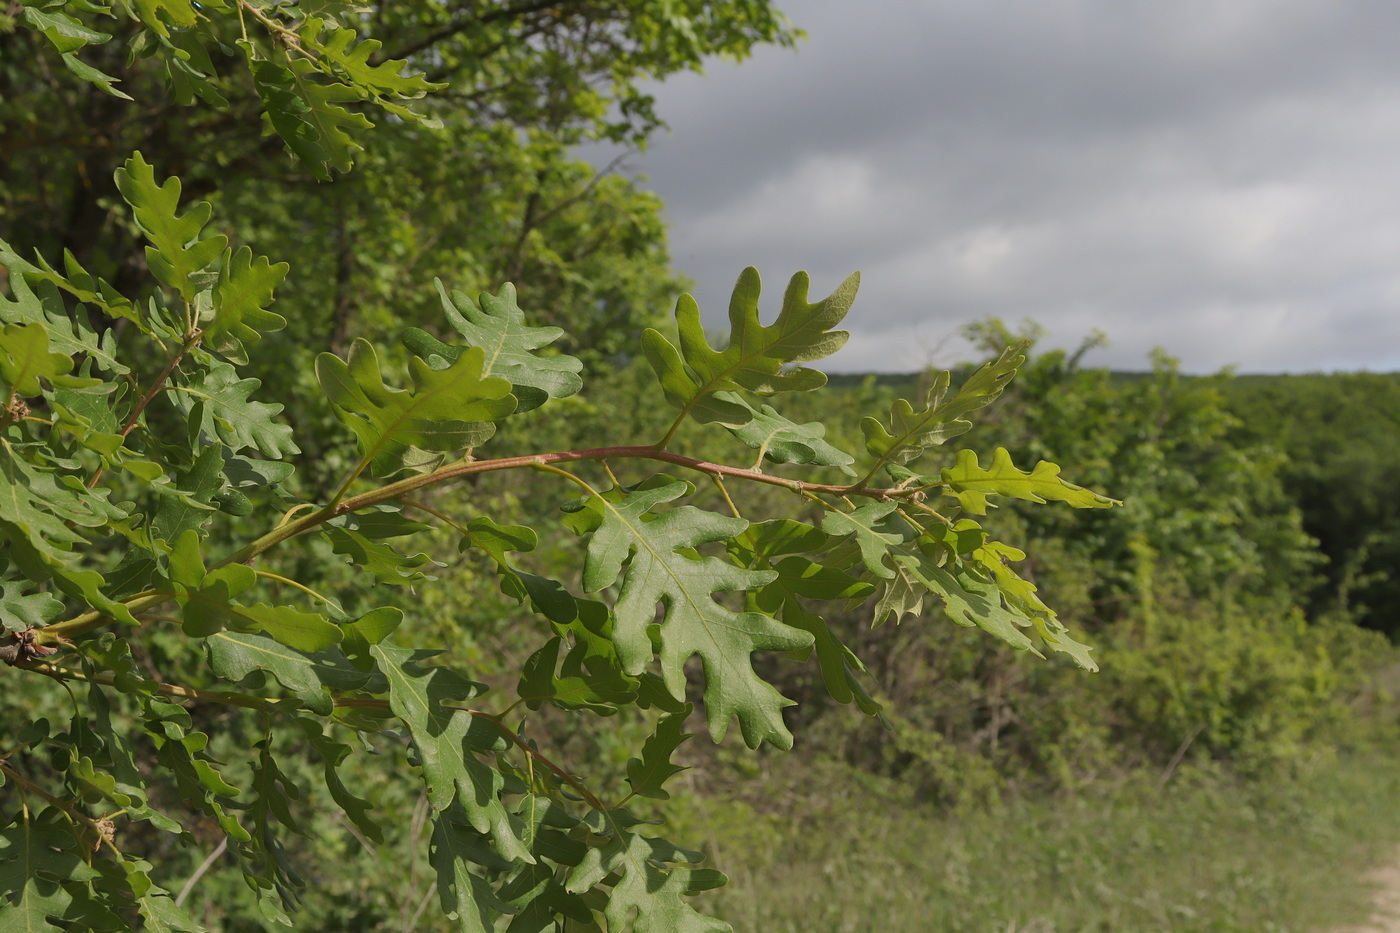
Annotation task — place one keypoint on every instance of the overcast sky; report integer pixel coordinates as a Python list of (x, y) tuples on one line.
[(1220, 178)]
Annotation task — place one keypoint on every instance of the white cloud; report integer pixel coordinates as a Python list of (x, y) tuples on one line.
[(1216, 178)]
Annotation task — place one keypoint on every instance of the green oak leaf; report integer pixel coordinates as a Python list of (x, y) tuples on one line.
[(800, 577), (589, 679), (220, 403), (36, 512), (63, 31), (175, 515), (647, 775), (332, 755), (757, 358), (901, 595), (651, 880), (465, 896), (780, 536), (971, 484), (127, 779), (25, 359), (352, 58), (181, 753), (535, 892), (207, 605), (20, 610), (381, 560), (88, 416), (369, 630), (588, 624), (267, 867), (969, 599), (162, 915), (85, 72), (69, 334), (448, 743), (496, 540), (659, 569), (1020, 596), (39, 904), (304, 110), (497, 325), (781, 440), (241, 298), (447, 409), (913, 431), (156, 14), (874, 529), (39, 849), (310, 676), (177, 251)]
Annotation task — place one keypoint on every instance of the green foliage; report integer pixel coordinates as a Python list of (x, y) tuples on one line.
[(498, 326), (757, 358), (915, 431), (194, 545), (1338, 433), (169, 460), (971, 484), (446, 410), (470, 173)]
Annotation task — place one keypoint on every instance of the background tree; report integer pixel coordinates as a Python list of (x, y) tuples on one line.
[(174, 593), (492, 194)]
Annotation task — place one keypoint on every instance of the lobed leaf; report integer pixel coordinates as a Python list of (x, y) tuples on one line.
[(497, 325), (353, 60), (647, 775), (220, 404), (25, 359), (464, 895), (207, 604), (85, 72), (310, 676), (307, 114), (914, 431), (177, 251), (651, 877), (63, 31), (241, 297), (69, 335), (181, 753), (781, 440), (800, 578), (159, 15), (447, 409), (969, 600), (380, 560), (332, 755), (448, 743), (971, 484), (874, 527), (757, 358), (1020, 596), (659, 570), (589, 679), (36, 510)]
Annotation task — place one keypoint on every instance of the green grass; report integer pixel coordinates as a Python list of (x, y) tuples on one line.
[(1206, 854)]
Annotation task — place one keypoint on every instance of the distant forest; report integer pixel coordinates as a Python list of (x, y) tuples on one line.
[(1339, 435)]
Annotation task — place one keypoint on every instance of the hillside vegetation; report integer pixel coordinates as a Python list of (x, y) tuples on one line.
[(354, 587)]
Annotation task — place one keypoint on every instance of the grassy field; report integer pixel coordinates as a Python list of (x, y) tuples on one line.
[(1203, 854)]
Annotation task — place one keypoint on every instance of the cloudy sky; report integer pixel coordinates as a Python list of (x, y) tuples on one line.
[(1220, 178)]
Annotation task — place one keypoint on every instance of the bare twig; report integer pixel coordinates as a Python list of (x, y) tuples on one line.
[(200, 872)]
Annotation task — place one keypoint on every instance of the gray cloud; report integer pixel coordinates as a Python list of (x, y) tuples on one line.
[(1218, 179)]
